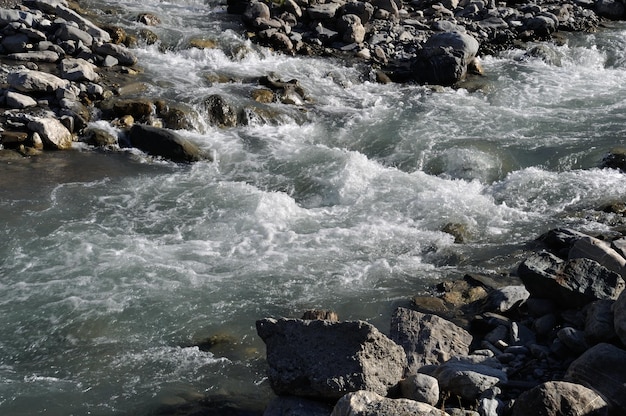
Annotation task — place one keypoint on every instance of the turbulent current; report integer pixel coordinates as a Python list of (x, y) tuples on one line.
[(115, 266)]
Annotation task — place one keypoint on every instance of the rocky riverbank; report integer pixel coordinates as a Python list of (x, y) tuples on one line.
[(552, 345)]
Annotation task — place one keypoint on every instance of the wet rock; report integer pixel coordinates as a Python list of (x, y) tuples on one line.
[(367, 403), (611, 9), (560, 240), (19, 101), (421, 388), (297, 406), (256, 10), (165, 143), (54, 134), (427, 339), (119, 52), (139, 108), (149, 19), (560, 398), (323, 359), (571, 283), (263, 95), (322, 314), (616, 158), (99, 137), (601, 368), (220, 112)]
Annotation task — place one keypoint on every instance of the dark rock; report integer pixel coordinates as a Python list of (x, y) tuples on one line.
[(601, 368), (15, 43), (149, 19), (616, 158), (560, 240), (611, 9), (599, 322), (321, 314), (99, 137), (619, 317), (165, 143), (560, 398), (367, 403), (427, 339), (505, 298), (572, 283), (220, 112), (421, 388), (574, 339), (363, 10), (600, 251), (255, 10), (297, 406), (326, 360)]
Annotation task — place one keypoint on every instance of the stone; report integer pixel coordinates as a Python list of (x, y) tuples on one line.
[(367, 403), (99, 137), (619, 245), (324, 11), (560, 240), (296, 406), (572, 283), (325, 360), (506, 298), (600, 251), (10, 15), (559, 398), (426, 338), (78, 70), (389, 6), (256, 10), (489, 404), (351, 28), (599, 322), (616, 158), (263, 95), (363, 10), (421, 388), (68, 32), (99, 35), (467, 380), (545, 324), (220, 112), (149, 19), (619, 317), (41, 56), (165, 143), (601, 368), (53, 134), (110, 61), (15, 43), (573, 338), (611, 9), (19, 101), (119, 52)]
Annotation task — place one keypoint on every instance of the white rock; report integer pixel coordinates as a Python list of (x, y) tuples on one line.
[(35, 81), (17, 100), (53, 134)]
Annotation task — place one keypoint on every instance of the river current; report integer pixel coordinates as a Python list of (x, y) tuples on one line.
[(114, 265)]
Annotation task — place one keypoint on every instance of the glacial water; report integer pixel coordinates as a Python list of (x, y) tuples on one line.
[(113, 265)]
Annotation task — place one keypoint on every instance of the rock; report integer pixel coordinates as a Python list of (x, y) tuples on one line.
[(35, 81), (619, 245), (389, 6), (78, 70), (325, 11), (426, 338), (559, 398), (600, 251), (139, 108), (256, 10), (165, 143), (99, 137), (363, 10), (119, 52), (99, 35), (571, 283), (40, 56), (351, 28), (545, 324), (574, 339), (611, 9), (465, 379), (421, 388), (54, 134), (149, 19), (599, 322), (619, 317), (67, 32), (322, 314), (367, 403), (220, 112), (560, 240), (296, 406), (324, 359), (19, 101), (263, 95), (616, 158), (9, 16), (506, 298), (489, 404), (15, 43), (444, 58), (601, 368)]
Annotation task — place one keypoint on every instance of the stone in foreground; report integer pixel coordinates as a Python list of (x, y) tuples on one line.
[(556, 398), (325, 360), (165, 143), (367, 403)]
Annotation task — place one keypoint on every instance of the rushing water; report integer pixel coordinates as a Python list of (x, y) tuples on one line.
[(114, 263)]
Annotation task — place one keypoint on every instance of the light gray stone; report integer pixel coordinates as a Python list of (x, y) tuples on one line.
[(54, 134), (67, 32), (427, 338), (324, 359), (121, 53), (367, 403), (78, 70), (256, 10), (560, 398), (17, 100), (35, 81), (619, 245), (99, 35), (421, 388), (506, 298), (601, 368), (41, 56), (466, 380), (600, 251), (10, 15)]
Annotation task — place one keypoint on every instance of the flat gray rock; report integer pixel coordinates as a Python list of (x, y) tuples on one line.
[(560, 398), (367, 403)]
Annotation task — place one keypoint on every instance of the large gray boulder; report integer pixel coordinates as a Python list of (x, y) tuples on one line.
[(325, 360), (427, 338), (119, 52), (55, 135), (165, 143), (35, 81), (78, 70), (444, 58), (572, 283), (367, 403), (421, 388), (601, 368), (600, 251), (560, 398)]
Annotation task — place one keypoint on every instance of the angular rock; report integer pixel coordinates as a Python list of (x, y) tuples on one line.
[(426, 338), (35, 81), (560, 240), (560, 398), (600, 251), (54, 134), (40, 56), (17, 100), (78, 70), (220, 112), (9, 15), (619, 245), (367, 403), (599, 322), (467, 380), (324, 359), (571, 283), (296, 406), (165, 143), (68, 32), (351, 28), (601, 368), (99, 35), (362, 9), (619, 317), (119, 52), (421, 388), (256, 10), (574, 339), (616, 158), (325, 11), (506, 298)]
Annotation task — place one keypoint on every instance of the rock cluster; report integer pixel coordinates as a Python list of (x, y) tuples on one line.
[(428, 41), (554, 345), (58, 68)]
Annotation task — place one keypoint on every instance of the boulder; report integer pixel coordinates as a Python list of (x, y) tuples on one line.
[(19, 101), (560, 240), (421, 388), (220, 112), (619, 317), (78, 70), (444, 58), (325, 360), (296, 406), (68, 32), (9, 16), (351, 28), (465, 379), (54, 134), (39, 56), (506, 298), (165, 143), (599, 322), (560, 398), (256, 10), (363, 10), (601, 368), (35, 81), (121, 53), (571, 284), (611, 9), (600, 251), (616, 158), (427, 338), (15, 43), (367, 403), (99, 35)]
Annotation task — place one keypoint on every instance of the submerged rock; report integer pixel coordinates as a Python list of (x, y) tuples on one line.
[(165, 143)]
